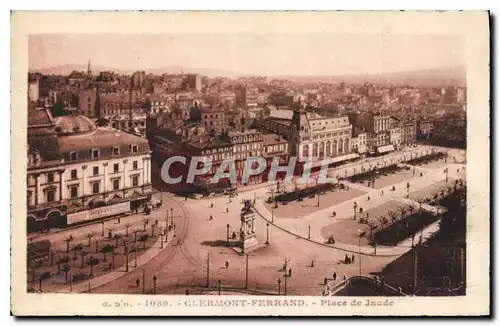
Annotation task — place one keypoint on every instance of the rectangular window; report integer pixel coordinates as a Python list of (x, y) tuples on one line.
[(51, 195), (95, 153), (96, 170), (73, 156), (134, 165), (74, 174), (73, 191), (116, 184), (95, 187), (116, 167), (50, 177), (134, 149), (116, 151), (135, 181)]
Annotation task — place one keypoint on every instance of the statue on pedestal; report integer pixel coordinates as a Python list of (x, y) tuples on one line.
[(247, 229)]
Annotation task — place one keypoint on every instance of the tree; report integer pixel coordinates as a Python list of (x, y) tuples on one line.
[(117, 237), (62, 260), (76, 248), (42, 277), (66, 269), (411, 208), (143, 239), (113, 255), (90, 235), (106, 249), (393, 216), (57, 109), (402, 210), (101, 122), (83, 254), (383, 221), (92, 262)]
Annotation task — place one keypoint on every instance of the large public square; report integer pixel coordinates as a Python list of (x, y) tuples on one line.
[(295, 252)]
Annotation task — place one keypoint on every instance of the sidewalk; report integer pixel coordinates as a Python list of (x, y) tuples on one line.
[(382, 251), (82, 287)]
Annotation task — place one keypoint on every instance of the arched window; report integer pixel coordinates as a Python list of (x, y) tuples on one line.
[(315, 150), (322, 149), (334, 147), (328, 151), (339, 149), (305, 151)]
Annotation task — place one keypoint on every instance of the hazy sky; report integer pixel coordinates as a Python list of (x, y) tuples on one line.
[(262, 54)]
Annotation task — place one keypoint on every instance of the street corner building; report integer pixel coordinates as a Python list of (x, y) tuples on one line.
[(79, 172)]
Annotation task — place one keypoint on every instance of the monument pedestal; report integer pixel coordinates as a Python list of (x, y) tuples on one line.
[(248, 242)]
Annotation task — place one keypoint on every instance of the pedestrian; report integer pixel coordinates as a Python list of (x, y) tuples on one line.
[(334, 214), (334, 276), (346, 259), (381, 192), (187, 291), (211, 217), (174, 226), (227, 210), (156, 222), (352, 259), (312, 263), (118, 220), (325, 280), (137, 282), (227, 264), (211, 205), (186, 199), (368, 198), (345, 277), (289, 272)]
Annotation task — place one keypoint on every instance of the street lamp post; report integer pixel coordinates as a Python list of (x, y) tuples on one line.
[(354, 206), (155, 278), (227, 232), (102, 228), (279, 286), (161, 239), (309, 233), (272, 215), (219, 285), (446, 174), (267, 234), (172, 217)]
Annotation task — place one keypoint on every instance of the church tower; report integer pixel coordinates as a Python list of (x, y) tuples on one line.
[(89, 71)]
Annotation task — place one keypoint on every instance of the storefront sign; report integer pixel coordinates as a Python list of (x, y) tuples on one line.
[(98, 213)]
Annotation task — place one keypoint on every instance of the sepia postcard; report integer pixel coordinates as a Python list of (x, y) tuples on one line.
[(250, 163)]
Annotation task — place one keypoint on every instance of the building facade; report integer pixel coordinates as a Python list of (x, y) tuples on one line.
[(75, 167)]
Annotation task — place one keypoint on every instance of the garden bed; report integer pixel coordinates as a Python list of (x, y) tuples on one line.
[(403, 229)]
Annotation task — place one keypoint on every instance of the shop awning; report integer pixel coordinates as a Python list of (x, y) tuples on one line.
[(385, 149)]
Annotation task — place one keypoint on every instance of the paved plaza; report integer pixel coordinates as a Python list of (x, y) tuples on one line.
[(201, 253)]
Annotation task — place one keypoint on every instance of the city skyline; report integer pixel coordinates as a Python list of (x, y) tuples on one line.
[(250, 54)]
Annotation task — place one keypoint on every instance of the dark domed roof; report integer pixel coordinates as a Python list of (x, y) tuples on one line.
[(74, 124)]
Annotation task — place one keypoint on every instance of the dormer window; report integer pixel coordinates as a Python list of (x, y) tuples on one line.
[(95, 153), (73, 156), (116, 151), (134, 149)]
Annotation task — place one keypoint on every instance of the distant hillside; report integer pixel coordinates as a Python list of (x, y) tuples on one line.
[(68, 68), (449, 76)]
